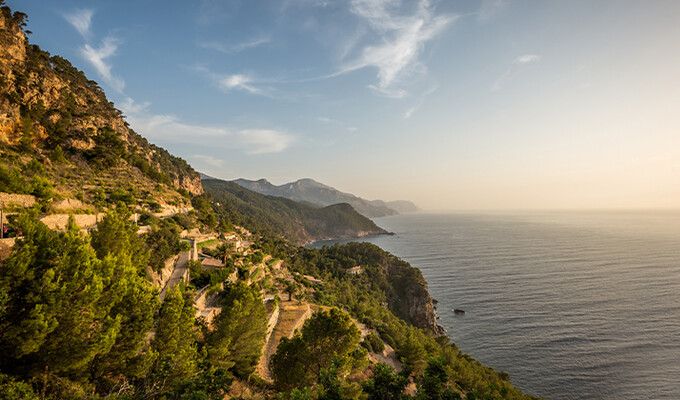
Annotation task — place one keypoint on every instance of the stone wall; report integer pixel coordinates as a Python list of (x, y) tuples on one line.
[(21, 200), (6, 247), (59, 221)]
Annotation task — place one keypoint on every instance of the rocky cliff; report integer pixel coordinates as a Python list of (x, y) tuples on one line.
[(48, 106), (411, 298)]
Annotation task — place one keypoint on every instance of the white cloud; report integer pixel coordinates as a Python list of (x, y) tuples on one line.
[(97, 56), (169, 128), (526, 59), (242, 82), (131, 107), (215, 162), (521, 60), (260, 141), (490, 9), (81, 20), (401, 40), (231, 49), (327, 120), (238, 82), (410, 112)]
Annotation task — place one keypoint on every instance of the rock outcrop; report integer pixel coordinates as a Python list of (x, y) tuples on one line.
[(45, 102)]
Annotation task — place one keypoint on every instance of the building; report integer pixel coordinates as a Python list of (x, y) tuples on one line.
[(355, 270)]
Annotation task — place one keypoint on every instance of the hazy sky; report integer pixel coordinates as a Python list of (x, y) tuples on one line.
[(454, 104)]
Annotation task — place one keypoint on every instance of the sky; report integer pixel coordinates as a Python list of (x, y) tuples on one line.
[(452, 104)]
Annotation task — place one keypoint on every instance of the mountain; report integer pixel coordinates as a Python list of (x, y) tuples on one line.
[(296, 221), (58, 130), (312, 192)]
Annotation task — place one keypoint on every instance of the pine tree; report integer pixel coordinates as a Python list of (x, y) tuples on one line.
[(174, 344), (116, 242), (57, 313), (237, 339)]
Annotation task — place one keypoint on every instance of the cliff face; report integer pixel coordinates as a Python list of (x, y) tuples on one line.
[(411, 298), (46, 103)]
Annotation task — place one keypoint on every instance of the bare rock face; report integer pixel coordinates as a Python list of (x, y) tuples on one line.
[(411, 299), (421, 311), (192, 183)]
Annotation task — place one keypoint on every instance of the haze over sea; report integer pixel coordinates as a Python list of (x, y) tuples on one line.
[(574, 305)]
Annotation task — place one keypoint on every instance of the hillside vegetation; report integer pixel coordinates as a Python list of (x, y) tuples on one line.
[(57, 124), (129, 310), (298, 222), (314, 193)]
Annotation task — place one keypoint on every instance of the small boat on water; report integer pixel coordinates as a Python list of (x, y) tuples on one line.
[(458, 311)]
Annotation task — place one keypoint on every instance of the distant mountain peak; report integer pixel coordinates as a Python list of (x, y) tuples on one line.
[(309, 191)]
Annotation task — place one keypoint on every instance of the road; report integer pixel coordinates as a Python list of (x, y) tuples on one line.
[(178, 273)]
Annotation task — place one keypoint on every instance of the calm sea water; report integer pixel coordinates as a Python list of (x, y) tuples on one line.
[(574, 305)]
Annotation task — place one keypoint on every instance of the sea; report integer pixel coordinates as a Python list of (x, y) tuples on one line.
[(573, 305)]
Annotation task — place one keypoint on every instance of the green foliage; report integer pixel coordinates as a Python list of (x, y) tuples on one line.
[(433, 385), (373, 343), (10, 389), (204, 211), (124, 196), (163, 242), (41, 188), (116, 235), (326, 335), (236, 341), (175, 342), (385, 384), (108, 150), (63, 307), (296, 221), (12, 180), (58, 156)]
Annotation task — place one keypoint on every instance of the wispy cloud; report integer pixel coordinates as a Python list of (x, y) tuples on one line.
[(171, 129), (238, 82), (81, 19), (519, 61), (327, 120), (490, 9), (97, 56), (215, 162), (526, 59), (236, 48), (401, 40), (242, 82), (411, 110)]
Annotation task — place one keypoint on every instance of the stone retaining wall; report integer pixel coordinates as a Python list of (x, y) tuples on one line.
[(11, 199), (6, 247), (59, 221)]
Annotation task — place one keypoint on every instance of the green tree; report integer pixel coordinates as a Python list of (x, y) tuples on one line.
[(57, 315), (299, 361), (174, 343), (289, 364), (328, 334), (10, 389), (116, 234), (116, 238), (412, 351), (238, 333), (385, 384), (433, 383)]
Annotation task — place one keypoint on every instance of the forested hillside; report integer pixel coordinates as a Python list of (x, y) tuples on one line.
[(212, 301), (298, 222)]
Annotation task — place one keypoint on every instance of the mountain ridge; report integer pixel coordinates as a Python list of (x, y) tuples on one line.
[(309, 191)]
